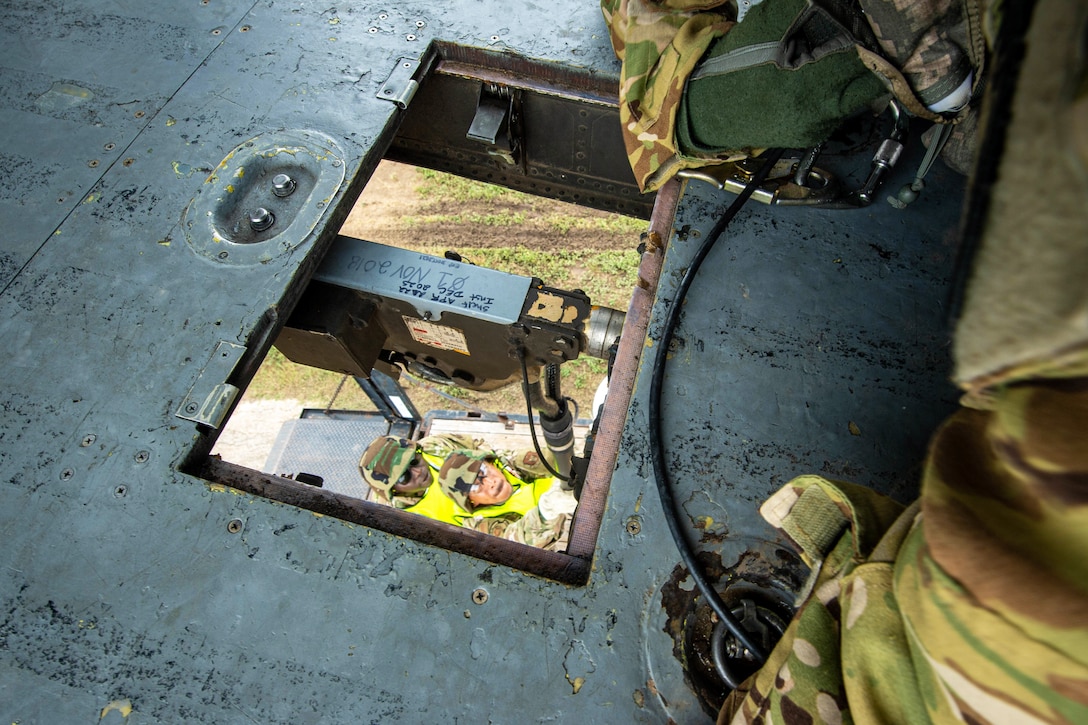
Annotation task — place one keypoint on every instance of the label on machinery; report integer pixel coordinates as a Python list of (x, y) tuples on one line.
[(432, 285), (440, 336)]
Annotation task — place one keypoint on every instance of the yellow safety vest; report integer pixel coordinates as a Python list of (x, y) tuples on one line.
[(435, 504)]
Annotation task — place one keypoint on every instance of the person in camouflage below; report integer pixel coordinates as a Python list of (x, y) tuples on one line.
[(400, 471), (491, 495), (405, 474)]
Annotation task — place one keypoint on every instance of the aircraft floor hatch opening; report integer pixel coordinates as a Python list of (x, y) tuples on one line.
[(382, 315), (374, 312)]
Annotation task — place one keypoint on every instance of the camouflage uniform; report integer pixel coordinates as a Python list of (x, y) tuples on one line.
[(972, 604), (387, 458), (660, 43), (518, 518), (969, 606)]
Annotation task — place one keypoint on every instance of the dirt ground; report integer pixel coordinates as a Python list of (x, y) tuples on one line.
[(390, 197)]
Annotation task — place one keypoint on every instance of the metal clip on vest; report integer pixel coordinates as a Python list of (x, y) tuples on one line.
[(821, 188), (798, 182)]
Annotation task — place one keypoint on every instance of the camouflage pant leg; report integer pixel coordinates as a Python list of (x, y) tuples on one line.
[(846, 533), (937, 44), (974, 610)]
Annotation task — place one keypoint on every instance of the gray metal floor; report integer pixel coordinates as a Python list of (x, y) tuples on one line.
[(811, 342), (130, 589)]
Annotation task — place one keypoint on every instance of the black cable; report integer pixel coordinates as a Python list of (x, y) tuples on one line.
[(529, 408), (657, 449), (551, 381)]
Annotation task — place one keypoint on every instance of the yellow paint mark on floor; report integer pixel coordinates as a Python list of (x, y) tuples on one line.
[(122, 706)]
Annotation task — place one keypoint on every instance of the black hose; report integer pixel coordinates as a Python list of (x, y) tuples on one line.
[(551, 382), (532, 427), (657, 450)]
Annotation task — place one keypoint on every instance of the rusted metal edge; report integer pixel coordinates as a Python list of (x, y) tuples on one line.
[(520, 72), (591, 504), (572, 567), (558, 566)]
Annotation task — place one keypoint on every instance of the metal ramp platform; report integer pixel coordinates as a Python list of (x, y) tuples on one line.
[(329, 445)]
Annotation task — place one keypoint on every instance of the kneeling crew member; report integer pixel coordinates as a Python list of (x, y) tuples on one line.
[(400, 470), (407, 475), (495, 497)]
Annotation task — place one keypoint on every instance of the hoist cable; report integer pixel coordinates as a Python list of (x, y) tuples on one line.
[(657, 450)]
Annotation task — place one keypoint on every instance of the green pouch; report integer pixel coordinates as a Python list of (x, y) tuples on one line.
[(787, 76)]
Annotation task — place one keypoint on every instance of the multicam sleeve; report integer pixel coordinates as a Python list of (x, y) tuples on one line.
[(527, 464), (973, 607), (491, 526), (994, 586), (535, 530), (532, 529), (659, 44), (445, 443)]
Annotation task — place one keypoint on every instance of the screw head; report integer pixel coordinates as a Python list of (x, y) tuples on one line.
[(66, 474), (283, 185), (260, 219), (235, 526), (88, 439), (633, 526), (191, 408), (142, 457), (479, 596), (120, 491)]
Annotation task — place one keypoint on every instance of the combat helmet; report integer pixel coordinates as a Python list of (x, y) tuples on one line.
[(459, 472), (385, 461)]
